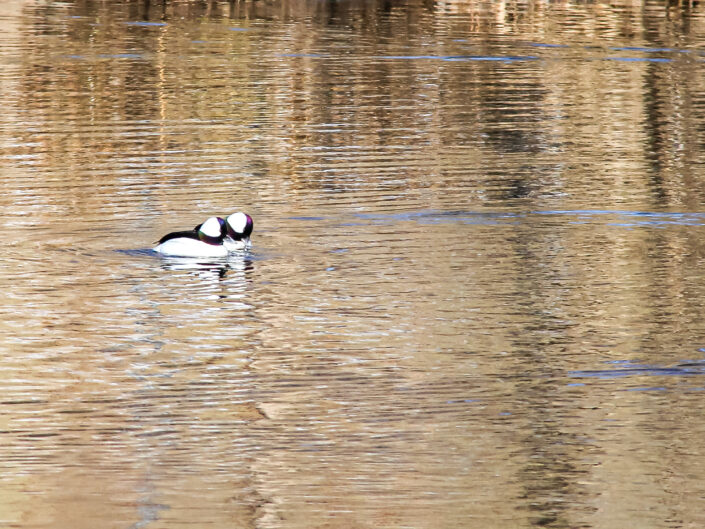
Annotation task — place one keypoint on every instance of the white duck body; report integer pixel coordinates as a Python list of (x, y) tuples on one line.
[(205, 240), (184, 247)]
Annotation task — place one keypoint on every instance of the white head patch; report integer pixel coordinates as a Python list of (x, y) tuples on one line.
[(237, 221), (211, 227)]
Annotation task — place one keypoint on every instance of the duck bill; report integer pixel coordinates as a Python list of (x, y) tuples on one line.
[(232, 245)]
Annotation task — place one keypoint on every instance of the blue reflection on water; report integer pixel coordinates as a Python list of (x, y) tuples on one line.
[(501, 58), (634, 218), (105, 56), (138, 23), (627, 368), (609, 218)]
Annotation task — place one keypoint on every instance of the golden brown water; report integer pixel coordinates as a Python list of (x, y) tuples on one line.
[(475, 296)]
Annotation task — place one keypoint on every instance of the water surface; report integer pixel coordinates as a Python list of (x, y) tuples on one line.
[(475, 293)]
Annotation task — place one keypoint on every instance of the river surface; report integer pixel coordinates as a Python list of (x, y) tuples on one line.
[(475, 296)]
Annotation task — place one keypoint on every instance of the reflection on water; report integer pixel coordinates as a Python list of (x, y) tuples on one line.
[(474, 297)]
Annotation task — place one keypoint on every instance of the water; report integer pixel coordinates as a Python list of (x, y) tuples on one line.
[(475, 293)]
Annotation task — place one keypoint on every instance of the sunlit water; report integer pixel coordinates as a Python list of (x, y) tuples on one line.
[(476, 293)]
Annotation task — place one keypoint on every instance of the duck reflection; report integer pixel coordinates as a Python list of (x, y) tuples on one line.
[(225, 278), (229, 267)]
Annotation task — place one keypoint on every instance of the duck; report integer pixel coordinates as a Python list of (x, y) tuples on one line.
[(238, 228), (205, 240)]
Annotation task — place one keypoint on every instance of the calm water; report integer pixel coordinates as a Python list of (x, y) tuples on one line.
[(476, 293)]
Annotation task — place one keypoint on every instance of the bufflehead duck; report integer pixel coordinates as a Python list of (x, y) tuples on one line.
[(238, 227), (205, 240)]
